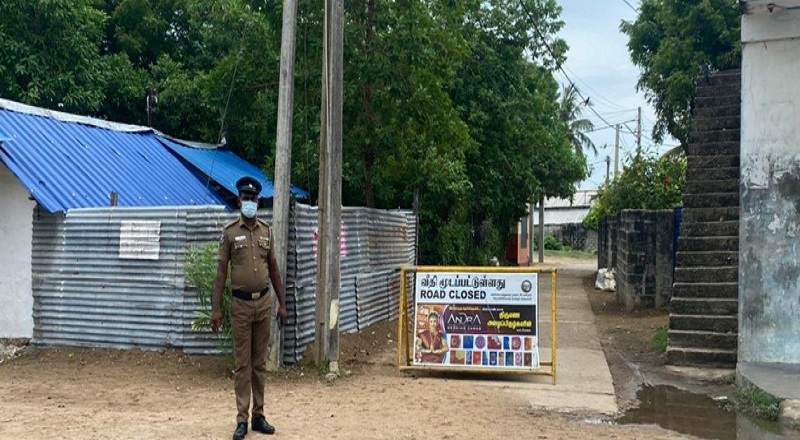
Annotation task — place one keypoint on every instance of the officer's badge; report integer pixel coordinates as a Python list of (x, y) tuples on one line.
[(221, 239), (263, 242)]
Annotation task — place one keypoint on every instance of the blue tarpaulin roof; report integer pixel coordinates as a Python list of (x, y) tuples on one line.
[(67, 161), (224, 167)]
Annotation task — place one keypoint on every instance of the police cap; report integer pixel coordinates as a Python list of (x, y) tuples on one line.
[(248, 184)]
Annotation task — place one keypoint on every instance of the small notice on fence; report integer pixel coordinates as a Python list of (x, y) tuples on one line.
[(139, 240), (476, 320)]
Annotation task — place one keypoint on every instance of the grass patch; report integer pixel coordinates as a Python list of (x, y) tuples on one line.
[(728, 379), (659, 340), (756, 403), (569, 253)]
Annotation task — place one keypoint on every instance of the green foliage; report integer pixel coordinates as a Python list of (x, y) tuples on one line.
[(49, 54), (659, 340), (454, 100), (552, 243), (668, 41), (646, 183), (201, 273), (754, 402)]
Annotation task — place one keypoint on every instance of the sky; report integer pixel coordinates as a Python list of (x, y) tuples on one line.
[(600, 66)]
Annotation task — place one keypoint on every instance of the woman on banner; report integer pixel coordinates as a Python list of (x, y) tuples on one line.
[(431, 344)]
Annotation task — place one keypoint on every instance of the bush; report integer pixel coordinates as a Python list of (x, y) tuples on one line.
[(201, 272), (551, 243), (646, 183)]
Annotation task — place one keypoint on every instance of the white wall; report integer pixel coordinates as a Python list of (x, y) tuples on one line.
[(16, 235), (769, 230)]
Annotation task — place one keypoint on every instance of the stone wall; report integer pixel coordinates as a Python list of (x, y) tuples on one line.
[(574, 235), (638, 245)]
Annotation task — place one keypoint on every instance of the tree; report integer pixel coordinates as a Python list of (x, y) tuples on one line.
[(50, 54), (669, 41), (570, 112), (647, 182)]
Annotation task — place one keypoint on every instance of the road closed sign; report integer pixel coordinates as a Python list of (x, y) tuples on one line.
[(476, 320)]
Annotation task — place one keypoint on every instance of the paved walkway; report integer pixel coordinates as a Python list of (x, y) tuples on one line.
[(584, 380)]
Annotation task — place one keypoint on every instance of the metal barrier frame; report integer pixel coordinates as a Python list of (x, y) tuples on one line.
[(404, 341)]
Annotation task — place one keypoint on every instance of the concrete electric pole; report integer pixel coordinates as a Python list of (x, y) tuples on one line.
[(330, 189), (283, 163)]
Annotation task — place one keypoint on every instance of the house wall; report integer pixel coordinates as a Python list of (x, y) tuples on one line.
[(769, 232), (16, 235)]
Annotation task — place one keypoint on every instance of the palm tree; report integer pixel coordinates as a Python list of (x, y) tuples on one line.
[(569, 111)]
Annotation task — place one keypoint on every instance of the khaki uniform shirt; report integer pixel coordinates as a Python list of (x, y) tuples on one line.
[(247, 250)]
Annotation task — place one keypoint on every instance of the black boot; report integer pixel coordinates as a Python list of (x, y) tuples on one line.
[(261, 425), (241, 431)]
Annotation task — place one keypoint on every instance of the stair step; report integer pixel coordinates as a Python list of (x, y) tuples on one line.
[(712, 186), (717, 101), (714, 147), (724, 274), (704, 306), (712, 173), (715, 323), (695, 215), (701, 357), (704, 90), (708, 136), (705, 290), (707, 259), (704, 244), (712, 200), (717, 161), (710, 229), (702, 339), (720, 123), (725, 77), (717, 111)]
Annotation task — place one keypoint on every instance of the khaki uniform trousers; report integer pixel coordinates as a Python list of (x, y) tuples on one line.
[(250, 322)]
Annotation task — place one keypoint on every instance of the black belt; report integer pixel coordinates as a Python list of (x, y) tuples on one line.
[(247, 296)]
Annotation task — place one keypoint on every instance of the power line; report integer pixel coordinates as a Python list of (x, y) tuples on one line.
[(630, 6), (555, 59), (597, 94)]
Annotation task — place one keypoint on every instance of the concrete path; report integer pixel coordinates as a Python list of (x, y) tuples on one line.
[(584, 382)]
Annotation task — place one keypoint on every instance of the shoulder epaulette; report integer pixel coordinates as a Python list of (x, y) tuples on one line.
[(228, 225)]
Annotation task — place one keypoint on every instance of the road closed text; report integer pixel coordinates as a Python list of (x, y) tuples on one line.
[(452, 294)]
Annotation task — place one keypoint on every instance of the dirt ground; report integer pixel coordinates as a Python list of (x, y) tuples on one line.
[(626, 340), (105, 394)]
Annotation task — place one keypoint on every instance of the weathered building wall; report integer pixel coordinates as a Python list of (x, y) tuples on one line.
[(16, 236), (769, 273)]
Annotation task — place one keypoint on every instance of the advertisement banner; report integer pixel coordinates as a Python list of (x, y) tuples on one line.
[(476, 320)]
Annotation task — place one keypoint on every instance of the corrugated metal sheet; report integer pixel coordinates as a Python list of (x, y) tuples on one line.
[(85, 295), (224, 167), (67, 165)]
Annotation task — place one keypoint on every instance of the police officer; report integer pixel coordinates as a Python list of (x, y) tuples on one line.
[(246, 243)]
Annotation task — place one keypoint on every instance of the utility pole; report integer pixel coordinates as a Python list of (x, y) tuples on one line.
[(152, 100), (541, 230), (330, 189), (283, 164), (531, 211), (616, 154), (639, 132), (608, 166)]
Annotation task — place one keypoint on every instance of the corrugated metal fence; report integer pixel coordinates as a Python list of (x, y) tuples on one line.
[(86, 295)]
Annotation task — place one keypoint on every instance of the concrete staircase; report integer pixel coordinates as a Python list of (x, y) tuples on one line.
[(703, 321)]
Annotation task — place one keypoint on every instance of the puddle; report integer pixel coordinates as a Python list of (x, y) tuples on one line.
[(698, 415)]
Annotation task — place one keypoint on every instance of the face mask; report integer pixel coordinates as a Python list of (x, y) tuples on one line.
[(249, 209)]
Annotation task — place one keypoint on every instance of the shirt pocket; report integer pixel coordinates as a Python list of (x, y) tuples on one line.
[(240, 252), (264, 246)]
